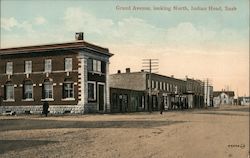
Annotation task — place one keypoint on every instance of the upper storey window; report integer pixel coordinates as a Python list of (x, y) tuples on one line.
[(68, 64), (9, 68), (28, 67), (48, 65), (96, 66)]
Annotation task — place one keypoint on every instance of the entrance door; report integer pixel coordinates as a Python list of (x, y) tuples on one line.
[(101, 97)]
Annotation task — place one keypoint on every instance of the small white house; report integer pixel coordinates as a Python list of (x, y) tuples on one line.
[(223, 98)]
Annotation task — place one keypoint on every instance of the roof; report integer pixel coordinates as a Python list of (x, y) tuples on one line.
[(217, 93), (145, 72), (58, 46)]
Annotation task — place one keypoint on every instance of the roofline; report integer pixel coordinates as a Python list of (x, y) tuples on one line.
[(145, 72), (47, 47)]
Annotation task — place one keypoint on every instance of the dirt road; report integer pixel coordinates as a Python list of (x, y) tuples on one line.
[(211, 133)]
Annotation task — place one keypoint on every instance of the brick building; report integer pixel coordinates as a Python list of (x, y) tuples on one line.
[(72, 77), (169, 90)]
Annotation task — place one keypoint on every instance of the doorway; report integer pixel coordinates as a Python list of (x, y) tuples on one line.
[(101, 96)]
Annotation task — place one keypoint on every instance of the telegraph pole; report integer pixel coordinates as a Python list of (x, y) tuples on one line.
[(150, 65)]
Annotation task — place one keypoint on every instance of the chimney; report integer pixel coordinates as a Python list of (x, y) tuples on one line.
[(142, 70), (127, 70), (172, 76), (118, 71), (79, 36)]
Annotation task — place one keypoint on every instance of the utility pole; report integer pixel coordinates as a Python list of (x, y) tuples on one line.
[(150, 65)]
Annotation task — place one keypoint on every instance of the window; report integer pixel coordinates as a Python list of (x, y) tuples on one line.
[(48, 65), (68, 90), (153, 84), (164, 86), (68, 64), (91, 91), (9, 91), (90, 64), (28, 90), (9, 68), (28, 67), (48, 89), (160, 85), (97, 65), (156, 84)]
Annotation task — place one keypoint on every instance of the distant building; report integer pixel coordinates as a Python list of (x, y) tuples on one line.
[(135, 91), (244, 100), (223, 98), (72, 77), (195, 93), (208, 95)]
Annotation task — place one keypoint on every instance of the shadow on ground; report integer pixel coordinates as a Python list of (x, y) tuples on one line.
[(221, 113), (29, 124), (8, 145)]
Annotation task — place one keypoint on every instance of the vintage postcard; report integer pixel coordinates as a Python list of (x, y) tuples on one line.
[(124, 78)]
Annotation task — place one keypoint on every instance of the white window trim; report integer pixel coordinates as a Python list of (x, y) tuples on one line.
[(93, 82), (9, 100), (28, 99), (68, 99), (48, 99)]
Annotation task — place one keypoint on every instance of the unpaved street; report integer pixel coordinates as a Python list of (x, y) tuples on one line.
[(211, 133)]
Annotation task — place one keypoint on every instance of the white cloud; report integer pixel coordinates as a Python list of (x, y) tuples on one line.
[(11, 23), (77, 20), (8, 23), (40, 20)]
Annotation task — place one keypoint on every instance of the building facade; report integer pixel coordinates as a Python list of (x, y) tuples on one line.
[(171, 92), (195, 93), (72, 77), (223, 98)]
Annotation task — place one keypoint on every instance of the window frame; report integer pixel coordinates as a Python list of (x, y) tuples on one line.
[(64, 90), (94, 90), (9, 84), (24, 90), (68, 64), (9, 68), (47, 65), (28, 67), (50, 83)]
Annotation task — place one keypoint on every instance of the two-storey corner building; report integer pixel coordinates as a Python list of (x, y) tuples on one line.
[(134, 91), (72, 77)]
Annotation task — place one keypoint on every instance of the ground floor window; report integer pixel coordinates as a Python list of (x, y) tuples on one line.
[(9, 91), (68, 90), (28, 90), (91, 91), (48, 89)]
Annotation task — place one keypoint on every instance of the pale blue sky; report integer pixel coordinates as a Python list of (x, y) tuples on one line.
[(200, 44)]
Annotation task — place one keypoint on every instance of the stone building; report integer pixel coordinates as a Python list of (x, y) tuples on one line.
[(72, 77)]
